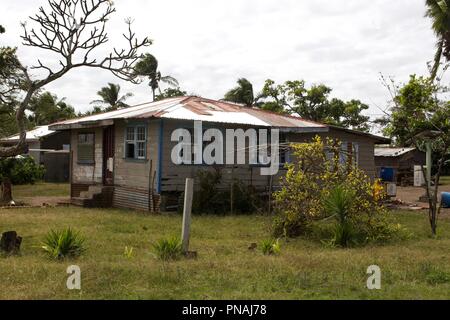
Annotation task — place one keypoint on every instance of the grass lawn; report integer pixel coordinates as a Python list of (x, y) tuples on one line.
[(445, 180), (225, 268), (41, 189)]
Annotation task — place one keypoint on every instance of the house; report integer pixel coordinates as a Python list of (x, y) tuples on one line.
[(123, 158), (396, 164), (48, 148)]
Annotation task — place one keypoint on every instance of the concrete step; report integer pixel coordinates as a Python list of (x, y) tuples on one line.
[(95, 189), (84, 194), (95, 196), (78, 201)]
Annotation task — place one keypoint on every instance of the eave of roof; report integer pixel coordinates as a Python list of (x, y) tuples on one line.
[(378, 139), (391, 152), (33, 135)]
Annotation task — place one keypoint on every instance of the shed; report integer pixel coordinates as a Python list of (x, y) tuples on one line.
[(398, 160), (41, 140)]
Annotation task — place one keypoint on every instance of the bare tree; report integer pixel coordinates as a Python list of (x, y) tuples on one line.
[(420, 119), (72, 30)]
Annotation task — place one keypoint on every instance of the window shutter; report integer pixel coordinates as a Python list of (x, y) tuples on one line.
[(85, 148)]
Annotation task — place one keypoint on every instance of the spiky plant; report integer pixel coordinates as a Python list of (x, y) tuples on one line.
[(270, 246), (65, 243), (128, 252), (337, 204), (168, 249)]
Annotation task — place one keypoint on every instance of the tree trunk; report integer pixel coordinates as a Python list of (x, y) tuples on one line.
[(10, 242), (6, 191), (433, 217)]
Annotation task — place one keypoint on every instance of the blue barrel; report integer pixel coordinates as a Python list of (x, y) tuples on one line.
[(445, 199), (387, 174)]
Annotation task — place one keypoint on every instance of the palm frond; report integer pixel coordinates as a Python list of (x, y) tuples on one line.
[(170, 81), (437, 58)]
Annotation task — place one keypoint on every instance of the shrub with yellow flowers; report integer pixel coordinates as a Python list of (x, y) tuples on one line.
[(319, 168)]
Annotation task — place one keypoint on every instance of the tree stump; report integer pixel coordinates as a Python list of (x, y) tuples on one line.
[(10, 242), (5, 192)]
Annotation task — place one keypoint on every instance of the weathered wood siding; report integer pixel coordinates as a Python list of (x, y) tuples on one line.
[(133, 178), (87, 173), (174, 176), (366, 146), (36, 155), (135, 173)]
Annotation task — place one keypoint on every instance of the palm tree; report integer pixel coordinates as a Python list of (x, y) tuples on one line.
[(243, 93), (148, 67), (110, 96), (438, 11)]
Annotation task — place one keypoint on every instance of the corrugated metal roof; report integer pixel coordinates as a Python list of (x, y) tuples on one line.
[(34, 134), (197, 108), (392, 152)]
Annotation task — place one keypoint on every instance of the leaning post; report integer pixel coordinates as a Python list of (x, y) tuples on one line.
[(187, 210)]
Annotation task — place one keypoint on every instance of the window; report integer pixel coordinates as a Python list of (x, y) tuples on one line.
[(350, 153), (355, 152), (284, 149), (86, 143), (135, 142)]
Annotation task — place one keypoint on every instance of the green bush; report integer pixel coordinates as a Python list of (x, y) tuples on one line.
[(168, 249), (433, 275), (320, 186), (66, 243), (210, 199), (245, 198), (21, 170), (270, 247)]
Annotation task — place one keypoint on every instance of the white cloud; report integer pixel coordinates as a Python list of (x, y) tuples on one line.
[(208, 44)]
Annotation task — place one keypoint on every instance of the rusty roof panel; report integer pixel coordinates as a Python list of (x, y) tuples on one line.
[(197, 108)]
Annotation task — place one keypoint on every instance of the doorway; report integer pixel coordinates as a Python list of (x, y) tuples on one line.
[(108, 156)]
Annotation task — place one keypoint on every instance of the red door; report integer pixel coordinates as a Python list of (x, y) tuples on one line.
[(108, 156)]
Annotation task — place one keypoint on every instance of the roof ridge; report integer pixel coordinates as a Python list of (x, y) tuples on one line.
[(123, 109)]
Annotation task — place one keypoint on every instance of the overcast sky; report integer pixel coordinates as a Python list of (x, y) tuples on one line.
[(208, 44)]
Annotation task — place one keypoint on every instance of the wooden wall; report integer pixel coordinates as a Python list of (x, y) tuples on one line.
[(133, 179), (136, 173), (56, 141), (173, 176), (366, 146), (87, 173)]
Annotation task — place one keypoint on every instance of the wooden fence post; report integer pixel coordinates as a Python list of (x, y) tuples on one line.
[(187, 209)]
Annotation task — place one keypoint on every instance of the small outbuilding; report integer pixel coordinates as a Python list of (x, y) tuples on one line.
[(49, 148), (396, 164)]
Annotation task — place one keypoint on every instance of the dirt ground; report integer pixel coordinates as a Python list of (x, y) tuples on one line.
[(42, 201), (412, 195)]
